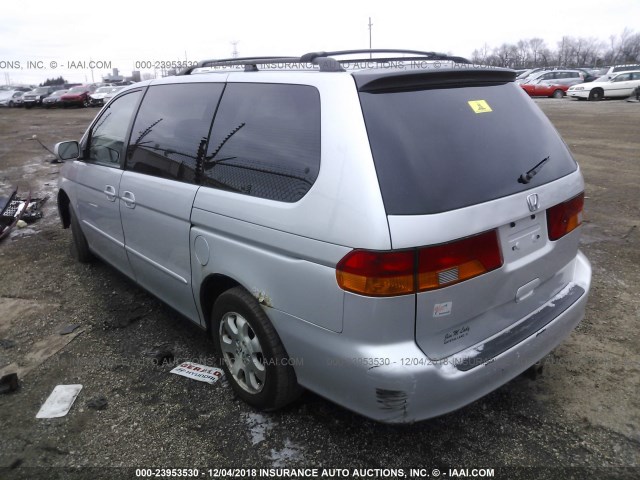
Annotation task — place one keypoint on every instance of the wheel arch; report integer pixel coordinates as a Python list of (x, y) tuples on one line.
[(63, 208), (212, 287)]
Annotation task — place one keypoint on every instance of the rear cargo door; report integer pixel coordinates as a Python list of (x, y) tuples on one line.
[(468, 167)]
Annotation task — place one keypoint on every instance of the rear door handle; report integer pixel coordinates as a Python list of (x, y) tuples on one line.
[(129, 199), (110, 192)]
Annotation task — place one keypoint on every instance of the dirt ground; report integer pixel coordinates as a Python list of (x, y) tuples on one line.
[(581, 416)]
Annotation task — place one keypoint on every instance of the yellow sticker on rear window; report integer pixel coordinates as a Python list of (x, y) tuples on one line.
[(480, 106)]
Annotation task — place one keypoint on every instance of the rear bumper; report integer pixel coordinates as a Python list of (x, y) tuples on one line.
[(397, 383)]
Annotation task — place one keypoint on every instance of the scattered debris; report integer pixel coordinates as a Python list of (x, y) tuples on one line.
[(18, 211), (59, 402), (195, 371), (160, 354), (97, 403), (9, 383), (70, 329)]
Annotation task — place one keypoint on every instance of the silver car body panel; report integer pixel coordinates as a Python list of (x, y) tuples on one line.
[(156, 230), (386, 376), (481, 306), (94, 199), (287, 272)]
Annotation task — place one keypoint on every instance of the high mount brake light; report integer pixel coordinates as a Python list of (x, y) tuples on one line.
[(381, 274)]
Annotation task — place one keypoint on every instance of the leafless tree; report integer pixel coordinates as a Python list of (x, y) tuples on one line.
[(570, 51)]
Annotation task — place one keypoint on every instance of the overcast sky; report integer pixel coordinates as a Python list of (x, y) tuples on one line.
[(119, 32)]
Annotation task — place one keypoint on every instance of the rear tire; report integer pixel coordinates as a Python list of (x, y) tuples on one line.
[(253, 357), (558, 94), (79, 246)]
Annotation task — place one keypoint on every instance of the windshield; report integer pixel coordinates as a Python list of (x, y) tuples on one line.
[(41, 90), (441, 149), (103, 90), (77, 90), (58, 93)]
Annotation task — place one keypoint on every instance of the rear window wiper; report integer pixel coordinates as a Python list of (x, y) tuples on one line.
[(527, 176)]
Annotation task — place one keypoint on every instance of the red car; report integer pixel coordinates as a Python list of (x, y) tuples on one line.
[(545, 89), (77, 96)]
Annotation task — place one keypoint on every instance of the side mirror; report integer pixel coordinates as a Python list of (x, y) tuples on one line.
[(66, 150)]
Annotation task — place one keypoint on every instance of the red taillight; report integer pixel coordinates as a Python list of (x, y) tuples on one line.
[(454, 262), (565, 217), (377, 274), (399, 273)]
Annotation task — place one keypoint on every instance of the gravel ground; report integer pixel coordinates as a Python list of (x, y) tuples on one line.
[(581, 417)]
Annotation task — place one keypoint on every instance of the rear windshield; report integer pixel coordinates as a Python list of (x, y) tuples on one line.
[(441, 149)]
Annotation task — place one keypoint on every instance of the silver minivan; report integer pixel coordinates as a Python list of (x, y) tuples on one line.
[(399, 234)]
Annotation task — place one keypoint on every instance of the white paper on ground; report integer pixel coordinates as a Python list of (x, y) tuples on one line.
[(59, 402), (195, 371)]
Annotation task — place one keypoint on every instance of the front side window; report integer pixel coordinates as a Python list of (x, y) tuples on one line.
[(265, 141), (106, 143), (622, 77), (170, 132)]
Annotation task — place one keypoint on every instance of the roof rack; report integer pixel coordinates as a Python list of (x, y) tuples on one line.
[(325, 60)]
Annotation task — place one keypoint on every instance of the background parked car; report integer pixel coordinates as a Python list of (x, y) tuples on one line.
[(97, 98), (541, 88), (621, 68), (621, 85), (53, 100), (10, 98), (532, 73), (552, 84), (112, 93), (78, 96), (37, 95)]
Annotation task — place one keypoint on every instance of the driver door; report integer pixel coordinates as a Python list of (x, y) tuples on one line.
[(98, 174)]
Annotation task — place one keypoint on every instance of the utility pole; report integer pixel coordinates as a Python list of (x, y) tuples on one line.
[(370, 25), (234, 54)]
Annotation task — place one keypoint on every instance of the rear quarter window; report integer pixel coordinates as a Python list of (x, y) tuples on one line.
[(265, 141), (437, 149)]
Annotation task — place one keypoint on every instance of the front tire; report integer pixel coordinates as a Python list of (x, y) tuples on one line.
[(253, 357), (596, 95), (79, 245)]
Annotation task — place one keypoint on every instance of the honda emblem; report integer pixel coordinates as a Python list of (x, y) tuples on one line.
[(532, 201)]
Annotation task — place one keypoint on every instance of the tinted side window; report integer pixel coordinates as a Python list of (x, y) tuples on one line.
[(623, 78), (170, 132), (108, 134), (265, 141)]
